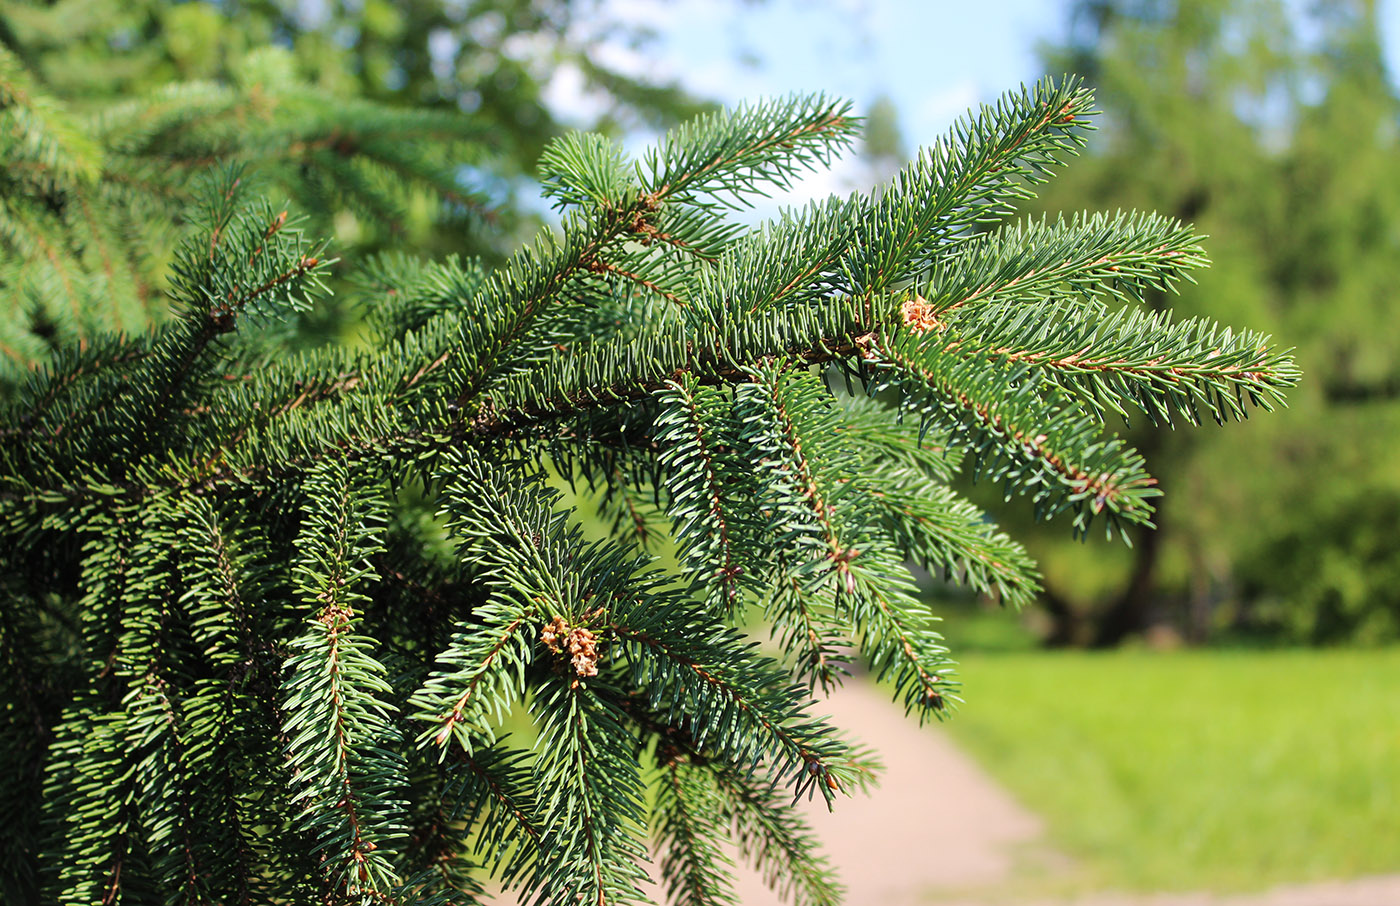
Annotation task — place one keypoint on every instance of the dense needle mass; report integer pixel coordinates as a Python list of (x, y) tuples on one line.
[(242, 663)]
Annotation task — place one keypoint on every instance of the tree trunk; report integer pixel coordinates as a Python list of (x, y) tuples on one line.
[(1067, 625), (1132, 611)]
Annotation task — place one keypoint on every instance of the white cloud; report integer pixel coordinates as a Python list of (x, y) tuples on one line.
[(647, 13), (567, 95), (631, 61), (932, 116), (727, 81)]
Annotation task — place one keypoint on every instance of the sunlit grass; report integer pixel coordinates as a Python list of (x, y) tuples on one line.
[(1198, 770)]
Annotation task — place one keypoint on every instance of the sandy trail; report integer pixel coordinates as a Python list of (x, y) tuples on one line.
[(935, 821), (938, 827), (937, 831)]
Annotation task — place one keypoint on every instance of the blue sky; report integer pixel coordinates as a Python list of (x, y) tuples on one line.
[(934, 58)]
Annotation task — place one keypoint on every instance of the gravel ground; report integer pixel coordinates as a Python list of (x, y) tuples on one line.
[(938, 831)]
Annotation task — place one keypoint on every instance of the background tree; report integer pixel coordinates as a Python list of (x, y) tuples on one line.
[(882, 148), (1274, 129), (95, 194), (240, 663), (492, 59), (391, 126)]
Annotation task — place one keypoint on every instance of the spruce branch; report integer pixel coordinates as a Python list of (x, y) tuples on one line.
[(612, 374), (702, 475), (341, 741), (1132, 360), (460, 699), (272, 615), (787, 428), (672, 653), (831, 581), (631, 507), (947, 535), (92, 808), (1020, 434), (783, 265), (687, 826), (900, 443), (490, 789), (1120, 257), (591, 797), (973, 177), (773, 838), (719, 158), (716, 154)]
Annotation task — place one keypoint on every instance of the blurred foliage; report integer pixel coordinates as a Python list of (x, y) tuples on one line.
[(1274, 130), (492, 59), (1196, 770), (405, 125), (94, 194), (1336, 579)]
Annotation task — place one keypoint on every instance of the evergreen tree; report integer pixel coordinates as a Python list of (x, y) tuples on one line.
[(492, 59), (269, 619), (1273, 129), (94, 197), (109, 109)]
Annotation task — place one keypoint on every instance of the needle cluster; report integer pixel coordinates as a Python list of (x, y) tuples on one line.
[(322, 629)]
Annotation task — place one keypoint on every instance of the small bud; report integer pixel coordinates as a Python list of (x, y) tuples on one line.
[(919, 315)]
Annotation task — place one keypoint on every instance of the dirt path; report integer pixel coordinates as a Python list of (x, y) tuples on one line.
[(938, 827), (938, 832), (935, 822)]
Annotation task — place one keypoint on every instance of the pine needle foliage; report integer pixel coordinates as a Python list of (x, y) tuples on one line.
[(269, 619), (93, 195)]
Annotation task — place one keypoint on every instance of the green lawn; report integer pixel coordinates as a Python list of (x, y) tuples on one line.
[(1194, 770)]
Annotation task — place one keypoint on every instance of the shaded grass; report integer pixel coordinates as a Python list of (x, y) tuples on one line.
[(1190, 770)]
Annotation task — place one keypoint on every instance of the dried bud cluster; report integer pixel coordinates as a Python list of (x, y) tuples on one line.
[(919, 315), (582, 645), (553, 634), (336, 614)]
